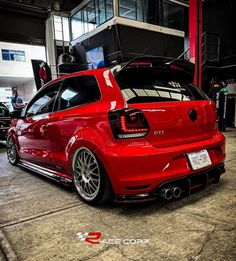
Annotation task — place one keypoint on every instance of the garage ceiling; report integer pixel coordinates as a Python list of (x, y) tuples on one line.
[(23, 21), (37, 5)]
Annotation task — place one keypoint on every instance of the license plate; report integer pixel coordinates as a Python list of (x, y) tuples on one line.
[(199, 159)]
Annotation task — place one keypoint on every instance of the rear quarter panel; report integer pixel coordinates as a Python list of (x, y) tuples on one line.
[(86, 125)]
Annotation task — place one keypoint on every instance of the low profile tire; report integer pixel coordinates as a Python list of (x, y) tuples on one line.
[(12, 153), (90, 178)]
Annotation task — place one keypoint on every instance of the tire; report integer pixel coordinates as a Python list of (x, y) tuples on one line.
[(12, 153), (90, 178)]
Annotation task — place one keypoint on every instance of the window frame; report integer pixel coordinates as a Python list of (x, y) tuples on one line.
[(39, 95), (166, 17), (136, 12), (135, 9), (61, 86), (18, 53), (97, 17)]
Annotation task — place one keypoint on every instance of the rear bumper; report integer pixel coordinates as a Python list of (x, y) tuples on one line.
[(187, 184), (140, 168)]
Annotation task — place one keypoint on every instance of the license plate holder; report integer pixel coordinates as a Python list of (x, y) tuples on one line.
[(199, 159)]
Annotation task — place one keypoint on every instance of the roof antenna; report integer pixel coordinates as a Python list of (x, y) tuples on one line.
[(170, 62)]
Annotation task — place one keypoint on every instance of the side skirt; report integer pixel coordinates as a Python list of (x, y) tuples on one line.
[(45, 172)]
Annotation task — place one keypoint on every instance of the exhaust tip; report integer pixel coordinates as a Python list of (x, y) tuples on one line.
[(176, 192), (169, 193), (166, 193)]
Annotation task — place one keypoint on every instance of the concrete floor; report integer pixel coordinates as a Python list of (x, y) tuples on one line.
[(40, 220)]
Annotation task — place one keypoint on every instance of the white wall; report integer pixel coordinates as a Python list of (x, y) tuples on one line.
[(27, 90), (5, 95), (20, 69)]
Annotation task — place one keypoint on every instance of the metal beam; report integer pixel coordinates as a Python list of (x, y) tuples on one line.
[(195, 39)]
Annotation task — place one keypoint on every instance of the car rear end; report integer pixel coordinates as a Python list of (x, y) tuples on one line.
[(166, 137)]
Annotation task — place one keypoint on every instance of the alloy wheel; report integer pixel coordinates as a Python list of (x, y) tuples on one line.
[(11, 151), (87, 178)]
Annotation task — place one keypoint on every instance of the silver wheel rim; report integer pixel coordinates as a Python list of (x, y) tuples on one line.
[(86, 174), (11, 151)]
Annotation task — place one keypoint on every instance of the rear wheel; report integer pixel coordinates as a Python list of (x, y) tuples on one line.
[(12, 153), (90, 178)]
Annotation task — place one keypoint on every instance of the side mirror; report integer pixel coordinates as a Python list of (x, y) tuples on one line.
[(15, 114)]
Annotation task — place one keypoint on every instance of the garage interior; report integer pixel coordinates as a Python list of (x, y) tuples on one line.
[(43, 220)]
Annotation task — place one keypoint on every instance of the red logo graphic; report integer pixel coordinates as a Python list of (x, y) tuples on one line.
[(90, 237), (93, 237)]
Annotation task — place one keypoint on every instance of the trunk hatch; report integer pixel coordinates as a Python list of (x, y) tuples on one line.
[(171, 124)]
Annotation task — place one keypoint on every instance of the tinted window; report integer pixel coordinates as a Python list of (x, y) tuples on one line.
[(44, 101), (77, 91), (133, 9), (90, 16), (143, 85), (4, 112), (173, 15)]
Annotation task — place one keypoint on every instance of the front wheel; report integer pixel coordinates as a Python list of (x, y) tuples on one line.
[(12, 153), (90, 178)]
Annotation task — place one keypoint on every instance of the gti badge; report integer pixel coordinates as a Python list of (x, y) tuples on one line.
[(159, 132)]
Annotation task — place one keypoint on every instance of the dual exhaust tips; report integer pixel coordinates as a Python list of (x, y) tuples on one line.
[(171, 192)]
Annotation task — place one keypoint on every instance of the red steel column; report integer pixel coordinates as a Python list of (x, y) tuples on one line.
[(195, 38)]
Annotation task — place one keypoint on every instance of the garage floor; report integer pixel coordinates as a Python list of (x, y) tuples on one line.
[(40, 220)]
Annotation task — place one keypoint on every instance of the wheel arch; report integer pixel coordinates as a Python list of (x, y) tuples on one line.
[(96, 145), (12, 134)]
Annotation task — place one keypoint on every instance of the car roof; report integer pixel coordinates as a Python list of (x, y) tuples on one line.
[(80, 73)]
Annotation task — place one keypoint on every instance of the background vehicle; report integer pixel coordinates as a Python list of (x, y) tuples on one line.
[(138, 132), (4, 121)]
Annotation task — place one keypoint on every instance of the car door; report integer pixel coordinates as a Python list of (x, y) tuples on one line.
[(73, 108), (33, 130)]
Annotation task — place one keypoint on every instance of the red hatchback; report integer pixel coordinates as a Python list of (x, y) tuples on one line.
[(132, 132)]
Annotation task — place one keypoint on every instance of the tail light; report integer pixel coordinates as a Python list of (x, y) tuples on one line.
[(128, 123)]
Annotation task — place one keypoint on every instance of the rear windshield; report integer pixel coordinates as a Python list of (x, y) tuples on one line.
[(144, 85)]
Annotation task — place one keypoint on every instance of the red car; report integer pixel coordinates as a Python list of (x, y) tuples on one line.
[(132, 132)]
